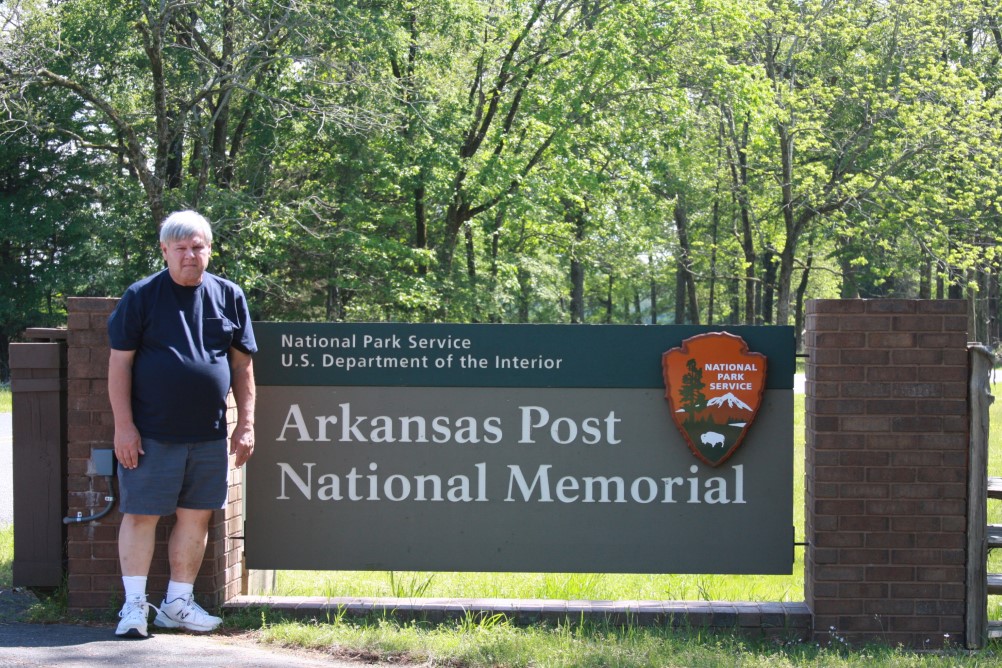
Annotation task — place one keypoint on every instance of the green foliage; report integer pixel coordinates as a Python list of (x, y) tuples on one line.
[(621, 162)]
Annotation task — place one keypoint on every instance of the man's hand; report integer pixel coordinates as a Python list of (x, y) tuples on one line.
[(128, 446), (242, 444)]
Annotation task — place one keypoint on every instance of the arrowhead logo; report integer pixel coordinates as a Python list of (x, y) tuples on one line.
[(714, 387)]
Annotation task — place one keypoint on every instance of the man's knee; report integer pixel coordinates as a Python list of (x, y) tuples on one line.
[(192, 518)]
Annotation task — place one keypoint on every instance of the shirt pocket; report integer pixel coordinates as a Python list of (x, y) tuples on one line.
[(217, 335)]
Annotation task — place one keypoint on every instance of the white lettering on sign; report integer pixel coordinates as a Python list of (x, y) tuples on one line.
[(615, 489), (347, 427), (354, 486), (538, 487)]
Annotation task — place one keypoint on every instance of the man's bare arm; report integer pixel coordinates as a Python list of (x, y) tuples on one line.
[(128, 445), (244, 393)]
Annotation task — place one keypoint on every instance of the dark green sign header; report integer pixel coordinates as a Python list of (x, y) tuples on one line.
[(434, 355)]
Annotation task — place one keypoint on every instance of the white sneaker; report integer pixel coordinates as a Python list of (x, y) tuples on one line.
[(186, 614), (134, 615)]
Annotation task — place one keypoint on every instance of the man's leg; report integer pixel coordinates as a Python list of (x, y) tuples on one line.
[(186, 548), (136, 541)]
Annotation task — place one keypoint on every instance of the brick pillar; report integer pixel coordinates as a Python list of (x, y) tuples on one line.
[(92, 550), (886, 470)]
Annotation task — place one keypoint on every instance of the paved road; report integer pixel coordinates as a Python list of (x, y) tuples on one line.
[(71, 646)]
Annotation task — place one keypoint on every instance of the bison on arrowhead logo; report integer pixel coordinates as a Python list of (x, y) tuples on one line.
[(714, 387)]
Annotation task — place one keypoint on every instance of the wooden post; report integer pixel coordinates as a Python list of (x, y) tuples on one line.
[(38, 382), (977, 507)]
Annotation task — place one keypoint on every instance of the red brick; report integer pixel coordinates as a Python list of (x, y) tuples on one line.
[(890, 574), (942, 474), (840, 473), (868, 390), (838, 406), (865, 523), (916, 524), (955, 357), (916, 590), (890, 607), (944, 306), (823, 356), (955, 323), (924, 424), (865, 557), (890, 407), (894, 374), (891, 340), (871, 324), (864, 491), (840, 306), (891, 306), (918, 323), (950, 541), (918, 491), (943, 374), (889, 540), (824, 323), (840, 340), (945, 340), (865, 424), (830, 507), (918, 390), (840, 573), (916, 356), (891, 474), (924, 624), (864, 457), (836, 441), (100, 304), (840, 539), (862, 589)]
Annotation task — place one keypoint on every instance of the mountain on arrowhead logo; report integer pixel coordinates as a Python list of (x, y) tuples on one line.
[(714, 387)]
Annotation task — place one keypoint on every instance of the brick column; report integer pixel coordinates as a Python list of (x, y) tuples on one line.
[(886, 470), (92, 550)]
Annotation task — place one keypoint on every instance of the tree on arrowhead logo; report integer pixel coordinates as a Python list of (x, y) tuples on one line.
[(714, 387)]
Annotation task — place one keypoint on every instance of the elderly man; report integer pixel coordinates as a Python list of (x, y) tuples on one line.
[(180, 340)]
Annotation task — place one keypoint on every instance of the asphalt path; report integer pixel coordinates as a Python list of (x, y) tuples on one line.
[(72, 646)]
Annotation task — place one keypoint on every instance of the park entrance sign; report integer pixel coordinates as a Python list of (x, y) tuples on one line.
[(532, 448)]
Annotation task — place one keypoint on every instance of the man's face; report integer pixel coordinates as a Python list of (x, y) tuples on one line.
[(187, 259)]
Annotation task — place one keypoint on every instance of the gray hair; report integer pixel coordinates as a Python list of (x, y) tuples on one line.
[(182, 225)]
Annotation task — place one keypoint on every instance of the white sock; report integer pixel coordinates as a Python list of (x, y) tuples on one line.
[(176, 590), (135, 585)]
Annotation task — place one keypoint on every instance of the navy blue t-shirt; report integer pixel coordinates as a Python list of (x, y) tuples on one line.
[(182, 337)]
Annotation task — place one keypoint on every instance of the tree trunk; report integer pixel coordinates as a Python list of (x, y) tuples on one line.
[(801, 292), (686, 307)]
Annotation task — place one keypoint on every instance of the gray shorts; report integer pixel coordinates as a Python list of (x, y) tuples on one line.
[(175, 475)]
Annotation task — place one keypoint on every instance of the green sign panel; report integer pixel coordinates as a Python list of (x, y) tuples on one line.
[(507, 448)]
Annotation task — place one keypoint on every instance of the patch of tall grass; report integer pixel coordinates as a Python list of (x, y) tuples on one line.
[(6, 398), (6, 556), (496, 642)]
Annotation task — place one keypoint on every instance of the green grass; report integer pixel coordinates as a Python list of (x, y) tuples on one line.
[(6, 556), (495, 642), (5, 398)]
